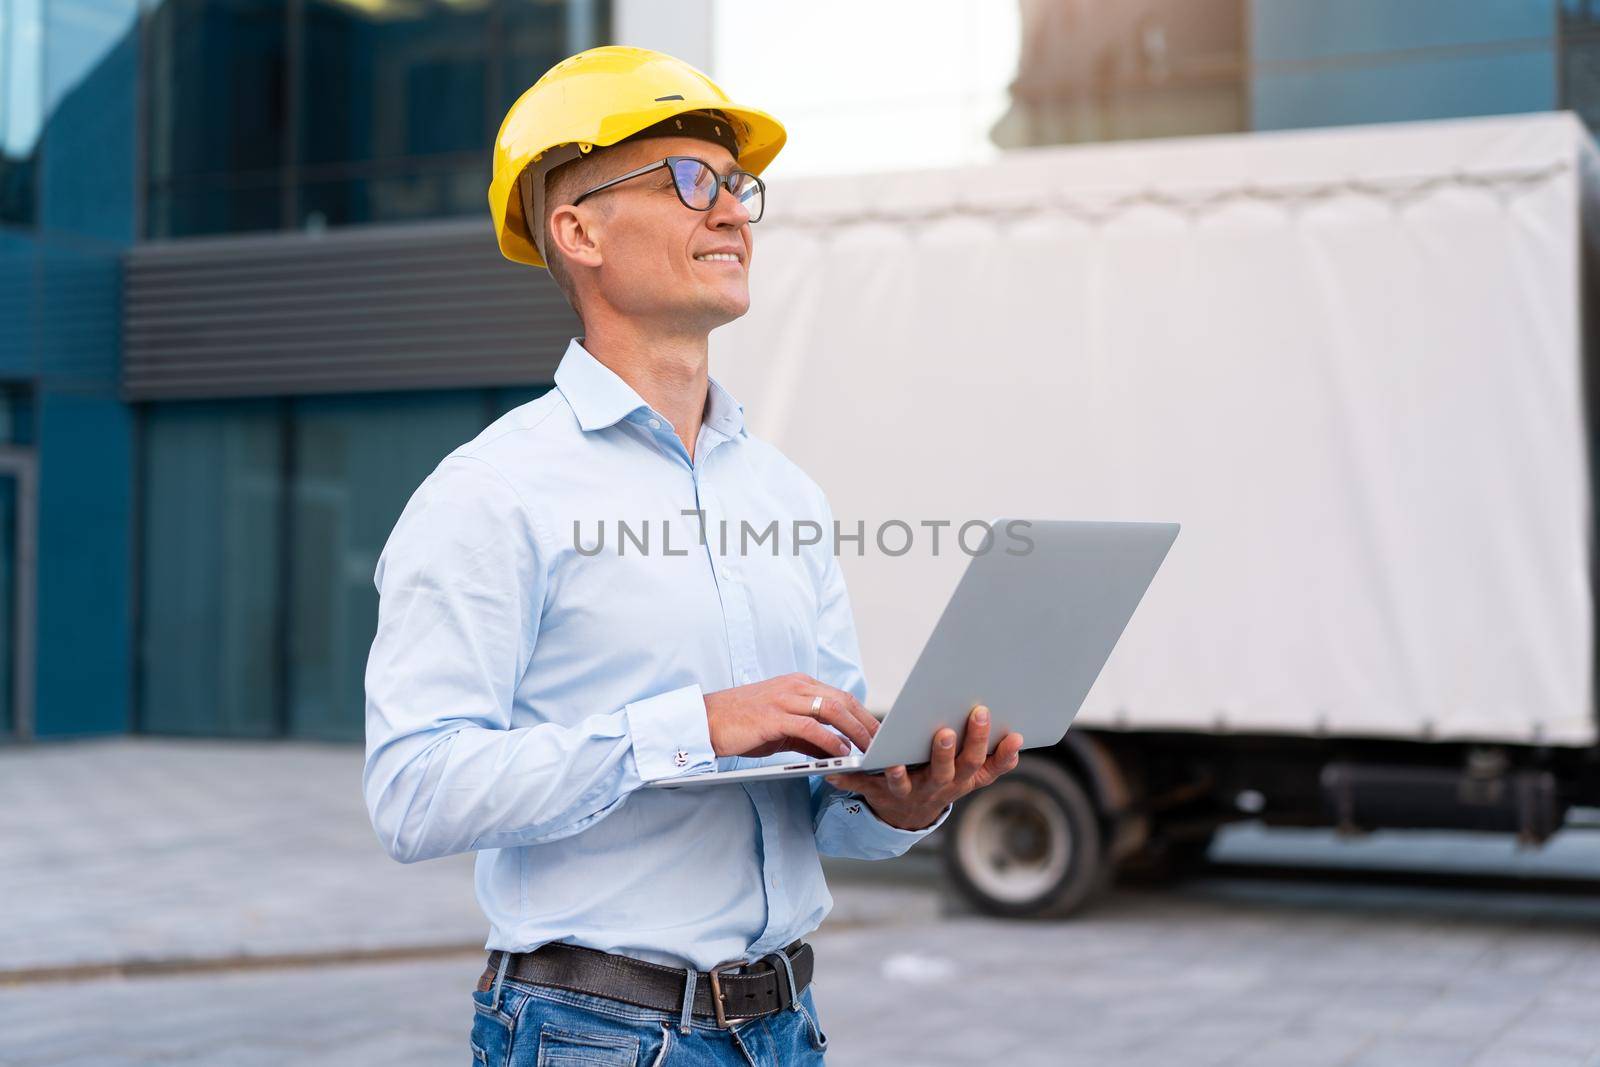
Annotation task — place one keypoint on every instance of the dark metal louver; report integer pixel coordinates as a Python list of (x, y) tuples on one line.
[(394, 307)]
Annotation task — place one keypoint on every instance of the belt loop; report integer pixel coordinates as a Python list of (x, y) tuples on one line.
[(819, 1040), (788, 972), (686, 1019), (499, 979)]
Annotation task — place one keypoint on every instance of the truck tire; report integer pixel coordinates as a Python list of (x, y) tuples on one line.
[(1028, 846)]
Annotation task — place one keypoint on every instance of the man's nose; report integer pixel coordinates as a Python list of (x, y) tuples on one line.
[(729, 210)]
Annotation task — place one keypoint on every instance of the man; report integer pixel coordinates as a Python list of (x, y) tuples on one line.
[(527, 683)]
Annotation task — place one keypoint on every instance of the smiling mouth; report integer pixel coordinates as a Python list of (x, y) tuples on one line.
[(720, 257)]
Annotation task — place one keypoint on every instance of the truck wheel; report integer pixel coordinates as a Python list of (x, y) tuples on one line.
[(1028, 846)]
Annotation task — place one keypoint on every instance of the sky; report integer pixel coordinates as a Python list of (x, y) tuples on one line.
[(887, 85), (32, 80)]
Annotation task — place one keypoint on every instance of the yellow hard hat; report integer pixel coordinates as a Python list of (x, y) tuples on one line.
[(597, 98)]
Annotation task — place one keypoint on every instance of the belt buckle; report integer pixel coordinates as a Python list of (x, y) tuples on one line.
[(716, 989)]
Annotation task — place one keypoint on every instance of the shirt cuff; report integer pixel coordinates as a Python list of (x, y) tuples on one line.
[(872, 830), (671, 736)]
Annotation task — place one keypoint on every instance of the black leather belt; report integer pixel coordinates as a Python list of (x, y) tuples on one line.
[(729, 992)]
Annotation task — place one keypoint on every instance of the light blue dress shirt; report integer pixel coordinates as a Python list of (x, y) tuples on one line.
[(522, 687)]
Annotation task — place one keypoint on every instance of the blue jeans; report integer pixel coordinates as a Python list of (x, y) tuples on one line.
[(536, 1026)]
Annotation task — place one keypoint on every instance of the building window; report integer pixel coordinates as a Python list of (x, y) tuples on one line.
[(357, 461), (211, 583), (216, 118), (261, 526), (265, 115)]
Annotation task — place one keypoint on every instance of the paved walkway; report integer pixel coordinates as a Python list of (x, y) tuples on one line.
[(259, 859), (139, 851), (1209, 975), (142, 849)]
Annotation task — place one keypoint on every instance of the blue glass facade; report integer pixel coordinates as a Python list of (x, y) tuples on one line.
[(67, 210), (1314, 63), (268, 115)]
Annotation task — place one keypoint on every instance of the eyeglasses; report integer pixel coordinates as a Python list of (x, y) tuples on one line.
[(698, 184)]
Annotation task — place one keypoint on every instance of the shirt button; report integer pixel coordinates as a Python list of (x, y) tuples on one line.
[(655, 424)]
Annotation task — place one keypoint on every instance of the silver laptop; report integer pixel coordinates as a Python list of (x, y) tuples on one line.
[(1025, 635)]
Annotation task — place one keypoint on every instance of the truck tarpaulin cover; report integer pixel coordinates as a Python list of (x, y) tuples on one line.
[(1347, 361)]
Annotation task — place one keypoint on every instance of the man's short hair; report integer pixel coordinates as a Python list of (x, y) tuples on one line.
[(562, 186)]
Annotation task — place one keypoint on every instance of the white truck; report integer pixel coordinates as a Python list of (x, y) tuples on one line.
[(1353, 363)]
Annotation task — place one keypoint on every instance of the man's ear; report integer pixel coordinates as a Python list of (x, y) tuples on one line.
[(576, 233)]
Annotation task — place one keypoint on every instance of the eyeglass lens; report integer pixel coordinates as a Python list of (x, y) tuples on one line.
[(697, 186)]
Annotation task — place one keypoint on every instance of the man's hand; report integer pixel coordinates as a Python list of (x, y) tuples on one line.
[(913, 800), (776, 716)]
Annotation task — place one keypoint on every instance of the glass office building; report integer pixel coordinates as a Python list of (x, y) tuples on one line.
[(248, 298), (191, 505)]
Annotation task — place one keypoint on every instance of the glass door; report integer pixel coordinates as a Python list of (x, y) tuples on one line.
[(16, 592), (8, 605)]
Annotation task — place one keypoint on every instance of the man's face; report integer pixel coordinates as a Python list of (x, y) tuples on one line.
[(648, 245)]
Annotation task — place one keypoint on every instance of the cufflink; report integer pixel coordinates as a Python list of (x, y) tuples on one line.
[(680, 759)]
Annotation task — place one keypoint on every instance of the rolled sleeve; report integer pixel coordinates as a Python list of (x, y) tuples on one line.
[(671, 735)]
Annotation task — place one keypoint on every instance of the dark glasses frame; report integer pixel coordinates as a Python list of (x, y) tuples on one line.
[(670, 162)]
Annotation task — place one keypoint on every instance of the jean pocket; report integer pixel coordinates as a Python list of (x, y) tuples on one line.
[(560, 1047), (492, 1028), (483, 1004)]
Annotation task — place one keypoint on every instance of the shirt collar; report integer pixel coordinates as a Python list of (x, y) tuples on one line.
[(723, 412), (600, 398)]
